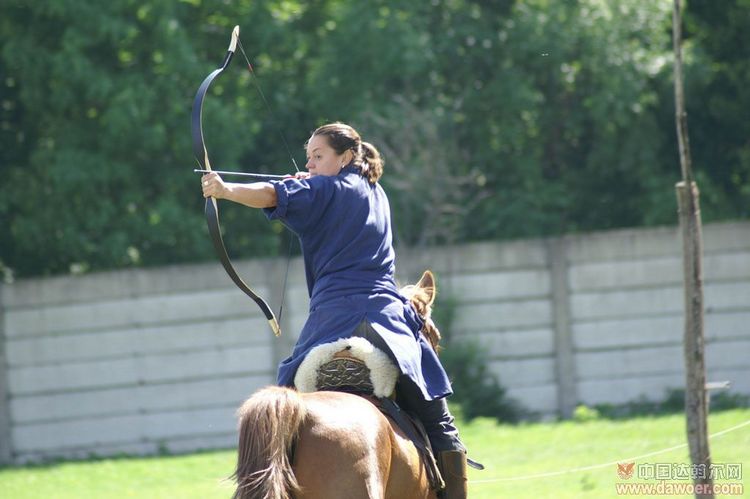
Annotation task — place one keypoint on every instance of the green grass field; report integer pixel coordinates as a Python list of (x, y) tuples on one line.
[(509, 452)]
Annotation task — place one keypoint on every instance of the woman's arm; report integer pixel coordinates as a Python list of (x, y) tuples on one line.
[(255, 195)]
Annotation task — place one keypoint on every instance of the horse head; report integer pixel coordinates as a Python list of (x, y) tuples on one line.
[(422, 296)]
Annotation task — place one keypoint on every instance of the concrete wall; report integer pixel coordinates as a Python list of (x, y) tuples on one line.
[(147, 360), (597, 318)]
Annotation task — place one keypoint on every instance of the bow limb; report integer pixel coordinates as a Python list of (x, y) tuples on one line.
[(212, 210)]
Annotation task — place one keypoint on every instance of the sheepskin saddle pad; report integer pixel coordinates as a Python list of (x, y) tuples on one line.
[(349, 365)]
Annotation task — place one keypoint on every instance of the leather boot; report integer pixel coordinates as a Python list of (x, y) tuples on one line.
[(452, 464)]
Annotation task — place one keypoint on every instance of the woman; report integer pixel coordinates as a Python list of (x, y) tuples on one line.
[(342, 218)]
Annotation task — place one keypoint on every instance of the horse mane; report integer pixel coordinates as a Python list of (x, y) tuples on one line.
[(422, 296)]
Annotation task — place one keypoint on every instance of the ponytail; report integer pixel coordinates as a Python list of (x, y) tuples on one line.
[(370, 162)]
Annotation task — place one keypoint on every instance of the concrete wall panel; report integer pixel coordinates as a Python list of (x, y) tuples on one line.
[(134, 312), (136, 370), (486, 316), (197, 335), (497, 285), (515, 343), (128, 400)]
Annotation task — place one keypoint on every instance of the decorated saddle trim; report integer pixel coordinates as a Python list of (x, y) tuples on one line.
[(346, 362)]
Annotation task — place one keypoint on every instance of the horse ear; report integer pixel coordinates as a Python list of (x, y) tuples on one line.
[(427, 283)]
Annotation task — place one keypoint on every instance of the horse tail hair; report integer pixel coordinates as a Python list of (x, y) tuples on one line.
[(269, 423)]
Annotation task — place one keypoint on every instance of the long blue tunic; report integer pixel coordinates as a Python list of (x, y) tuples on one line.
[(344, 226)]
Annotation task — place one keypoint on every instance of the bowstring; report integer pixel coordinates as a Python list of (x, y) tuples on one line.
[(265, 102), (291, 156)]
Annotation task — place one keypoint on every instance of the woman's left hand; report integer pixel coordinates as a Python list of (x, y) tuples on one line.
[(214, 186)]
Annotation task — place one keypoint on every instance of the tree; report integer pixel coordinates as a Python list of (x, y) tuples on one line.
[(98, 169), (717, 99), (498, 119)]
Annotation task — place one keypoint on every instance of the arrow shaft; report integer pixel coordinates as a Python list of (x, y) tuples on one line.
[(243, 174)]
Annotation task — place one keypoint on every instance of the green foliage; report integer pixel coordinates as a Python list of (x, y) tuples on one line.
[(498, 119), (584, 413), (476, 389), (725, 401), (717, 103), (672, 403), (99, 173)]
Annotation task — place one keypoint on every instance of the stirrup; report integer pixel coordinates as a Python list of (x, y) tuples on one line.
[(474, 464)]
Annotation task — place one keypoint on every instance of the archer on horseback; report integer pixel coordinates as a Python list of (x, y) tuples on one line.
[(342, 217)]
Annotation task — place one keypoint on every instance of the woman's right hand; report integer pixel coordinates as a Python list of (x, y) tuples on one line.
[(214, 186)]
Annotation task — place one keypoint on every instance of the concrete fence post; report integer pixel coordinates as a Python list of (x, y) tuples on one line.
[(567, 395), (6, 450)]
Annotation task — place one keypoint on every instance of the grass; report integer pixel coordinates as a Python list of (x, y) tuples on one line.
[(535, 449), (507, 451)]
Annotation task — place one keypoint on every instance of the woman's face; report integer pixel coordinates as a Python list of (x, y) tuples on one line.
[(322, 158)]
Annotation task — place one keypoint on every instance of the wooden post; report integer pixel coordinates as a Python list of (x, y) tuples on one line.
[(696, 400), (688, 202)]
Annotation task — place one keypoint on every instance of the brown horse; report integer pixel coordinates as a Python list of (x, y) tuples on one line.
[(330, 445)]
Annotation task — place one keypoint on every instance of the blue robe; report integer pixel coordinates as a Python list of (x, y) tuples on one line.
[(344, 226)]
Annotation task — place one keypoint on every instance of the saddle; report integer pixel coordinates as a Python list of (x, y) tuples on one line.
[(354, 365), (350, 364)]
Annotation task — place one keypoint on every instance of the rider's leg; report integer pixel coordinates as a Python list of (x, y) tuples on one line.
[(439, 424), (434, 414)]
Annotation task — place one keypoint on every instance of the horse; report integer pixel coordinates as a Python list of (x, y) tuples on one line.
[(330, 444)]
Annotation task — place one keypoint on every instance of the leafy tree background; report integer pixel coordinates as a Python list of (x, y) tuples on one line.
[(498, 119)]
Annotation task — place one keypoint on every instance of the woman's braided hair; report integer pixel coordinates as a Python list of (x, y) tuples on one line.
[(342, 137)]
